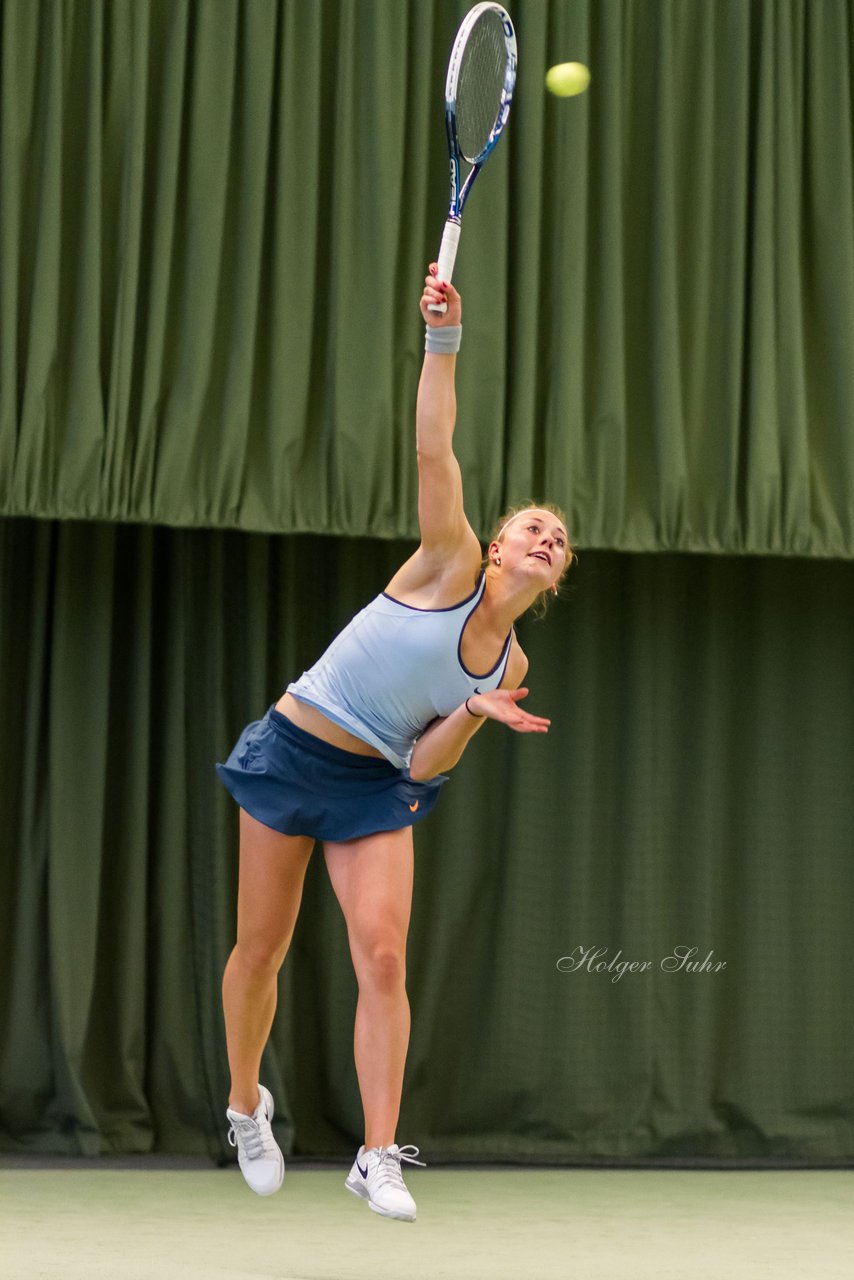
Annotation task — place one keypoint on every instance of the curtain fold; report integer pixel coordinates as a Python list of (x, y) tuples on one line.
[(693, 792), (216, 220)]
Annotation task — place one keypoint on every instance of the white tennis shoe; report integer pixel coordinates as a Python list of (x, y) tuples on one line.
[(376, 1177), (261, 1161)]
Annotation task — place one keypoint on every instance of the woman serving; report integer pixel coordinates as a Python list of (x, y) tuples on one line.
[(353, 755)]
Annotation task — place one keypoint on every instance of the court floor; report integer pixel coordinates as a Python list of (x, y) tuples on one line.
[(155, 1223)]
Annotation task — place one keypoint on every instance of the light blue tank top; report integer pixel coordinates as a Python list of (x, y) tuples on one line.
[(394, 668)]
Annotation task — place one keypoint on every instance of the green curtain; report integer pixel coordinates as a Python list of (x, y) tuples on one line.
[(216, 216), (694, 791)]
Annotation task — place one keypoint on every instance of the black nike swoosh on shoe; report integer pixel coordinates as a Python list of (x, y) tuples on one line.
[(363, 1172)]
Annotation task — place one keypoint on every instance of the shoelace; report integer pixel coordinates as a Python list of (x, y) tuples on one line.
[(388, 1169), (254, 1136)]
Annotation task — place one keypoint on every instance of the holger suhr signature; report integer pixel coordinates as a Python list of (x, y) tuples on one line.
[(680, 960)]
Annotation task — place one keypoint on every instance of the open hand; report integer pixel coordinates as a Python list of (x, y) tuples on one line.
[(503, 705), (440, 291)]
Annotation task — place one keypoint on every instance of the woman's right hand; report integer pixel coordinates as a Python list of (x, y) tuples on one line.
[(439, 291)]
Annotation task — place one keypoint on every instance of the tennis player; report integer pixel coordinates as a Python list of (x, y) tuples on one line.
[(353, 754)]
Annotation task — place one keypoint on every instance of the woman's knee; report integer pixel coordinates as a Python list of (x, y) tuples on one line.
[(261, 955), (381, 965)]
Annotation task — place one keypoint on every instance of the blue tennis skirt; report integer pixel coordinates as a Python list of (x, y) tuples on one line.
[(300, 785)]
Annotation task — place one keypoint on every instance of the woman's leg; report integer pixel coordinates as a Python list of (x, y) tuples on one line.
[(372, 878), (272, 870)]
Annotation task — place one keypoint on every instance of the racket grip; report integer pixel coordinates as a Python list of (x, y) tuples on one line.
[(447, 258)]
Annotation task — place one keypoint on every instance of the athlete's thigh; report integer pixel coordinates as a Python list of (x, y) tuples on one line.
[(270, 880), (372, 877)]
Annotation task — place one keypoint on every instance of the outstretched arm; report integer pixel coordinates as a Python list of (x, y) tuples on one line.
[(442, 744)]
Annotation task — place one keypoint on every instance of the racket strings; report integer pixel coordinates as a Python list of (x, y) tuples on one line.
[(481, 83)]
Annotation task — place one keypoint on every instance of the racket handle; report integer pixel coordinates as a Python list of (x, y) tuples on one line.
[(447, 258)]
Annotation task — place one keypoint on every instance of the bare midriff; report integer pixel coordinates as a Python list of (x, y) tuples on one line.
[(314, 721)]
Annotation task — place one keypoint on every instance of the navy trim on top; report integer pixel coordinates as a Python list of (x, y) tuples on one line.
[(505, 652), (503, 655), (447, 608)]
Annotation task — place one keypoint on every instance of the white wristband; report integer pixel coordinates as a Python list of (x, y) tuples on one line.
[(444, 341)]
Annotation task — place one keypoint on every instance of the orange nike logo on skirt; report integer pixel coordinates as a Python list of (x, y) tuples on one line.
[(413, 807)]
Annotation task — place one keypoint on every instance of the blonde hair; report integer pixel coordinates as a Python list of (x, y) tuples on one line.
[(540, 606)]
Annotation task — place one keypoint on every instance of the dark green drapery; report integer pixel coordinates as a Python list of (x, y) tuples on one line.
[(216, 217), (694, 790)]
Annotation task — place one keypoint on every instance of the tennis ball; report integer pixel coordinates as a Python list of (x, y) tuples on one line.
[(567, 79)]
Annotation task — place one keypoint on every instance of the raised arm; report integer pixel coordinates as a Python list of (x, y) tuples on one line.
[(436, 408), (444, 527)]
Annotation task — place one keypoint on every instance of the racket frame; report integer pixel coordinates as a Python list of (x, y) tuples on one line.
[(460, 192)]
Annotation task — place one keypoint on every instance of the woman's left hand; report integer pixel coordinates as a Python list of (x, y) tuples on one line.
[(503, 705)]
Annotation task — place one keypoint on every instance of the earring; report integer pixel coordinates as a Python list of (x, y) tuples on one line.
[(498, 559)]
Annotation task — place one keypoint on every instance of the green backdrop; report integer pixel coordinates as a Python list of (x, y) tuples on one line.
[(217, 216), (214, 221), (694, 790)]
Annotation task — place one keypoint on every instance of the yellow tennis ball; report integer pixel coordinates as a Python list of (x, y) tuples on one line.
[(567, 79)]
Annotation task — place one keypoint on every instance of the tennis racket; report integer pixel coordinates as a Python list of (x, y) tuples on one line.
[(478, 93)]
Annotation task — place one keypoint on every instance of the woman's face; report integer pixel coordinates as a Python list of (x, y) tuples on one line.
[(535, 542)]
